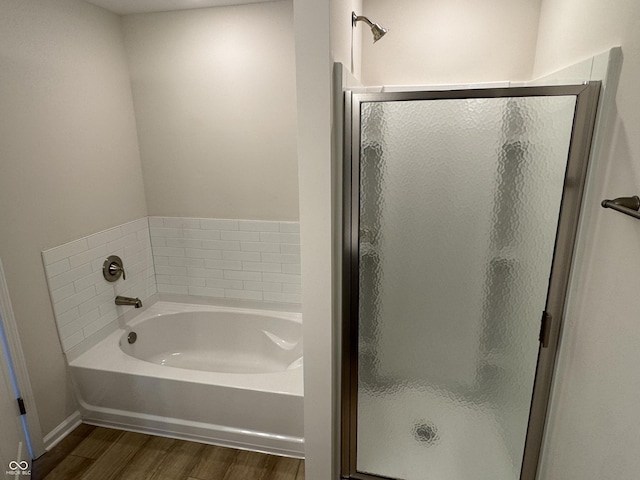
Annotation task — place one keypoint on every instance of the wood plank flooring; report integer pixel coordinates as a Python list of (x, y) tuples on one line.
[(98, 453)]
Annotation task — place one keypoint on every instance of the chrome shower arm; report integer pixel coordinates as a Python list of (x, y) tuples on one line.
[(357, 18)]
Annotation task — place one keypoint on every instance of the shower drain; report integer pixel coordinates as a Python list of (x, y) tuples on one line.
[(426, 432)]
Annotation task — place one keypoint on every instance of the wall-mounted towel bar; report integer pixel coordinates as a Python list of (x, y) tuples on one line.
[(626, 205)]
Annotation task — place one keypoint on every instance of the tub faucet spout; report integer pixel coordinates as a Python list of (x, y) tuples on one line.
[(136, 302)]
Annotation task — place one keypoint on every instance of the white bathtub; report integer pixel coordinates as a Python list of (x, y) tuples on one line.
[(217, 375)]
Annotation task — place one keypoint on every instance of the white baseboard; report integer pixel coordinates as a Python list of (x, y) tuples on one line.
[(65, 428)]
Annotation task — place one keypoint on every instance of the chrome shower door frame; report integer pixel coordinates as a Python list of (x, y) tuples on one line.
[(579, 149)]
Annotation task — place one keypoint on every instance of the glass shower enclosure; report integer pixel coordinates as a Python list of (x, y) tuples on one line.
[(461, 209)]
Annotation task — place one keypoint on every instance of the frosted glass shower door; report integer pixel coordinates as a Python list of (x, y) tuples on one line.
[(458, 205)]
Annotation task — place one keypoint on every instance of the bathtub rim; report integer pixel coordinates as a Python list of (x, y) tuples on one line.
[(129, 313)]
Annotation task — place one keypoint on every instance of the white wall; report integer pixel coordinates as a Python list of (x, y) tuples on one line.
[(462, 41), (313, 76), (594, 420), (69, 161), (346, 43), (323, 35), (214, 93)]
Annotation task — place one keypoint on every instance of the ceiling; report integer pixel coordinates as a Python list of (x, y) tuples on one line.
[(125, 7)]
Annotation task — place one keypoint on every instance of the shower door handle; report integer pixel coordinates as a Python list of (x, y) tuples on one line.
[(545, 329)]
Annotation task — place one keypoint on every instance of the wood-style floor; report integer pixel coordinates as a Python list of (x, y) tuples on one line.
[(97, 453)]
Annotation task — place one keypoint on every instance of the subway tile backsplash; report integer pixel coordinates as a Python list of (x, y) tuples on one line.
[(220, 258), (227, 258), (83, 301)]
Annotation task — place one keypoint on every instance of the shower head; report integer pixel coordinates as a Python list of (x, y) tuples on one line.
[(377, 30)]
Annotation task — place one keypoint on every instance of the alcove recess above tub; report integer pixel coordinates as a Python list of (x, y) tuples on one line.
[(627, 205)]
